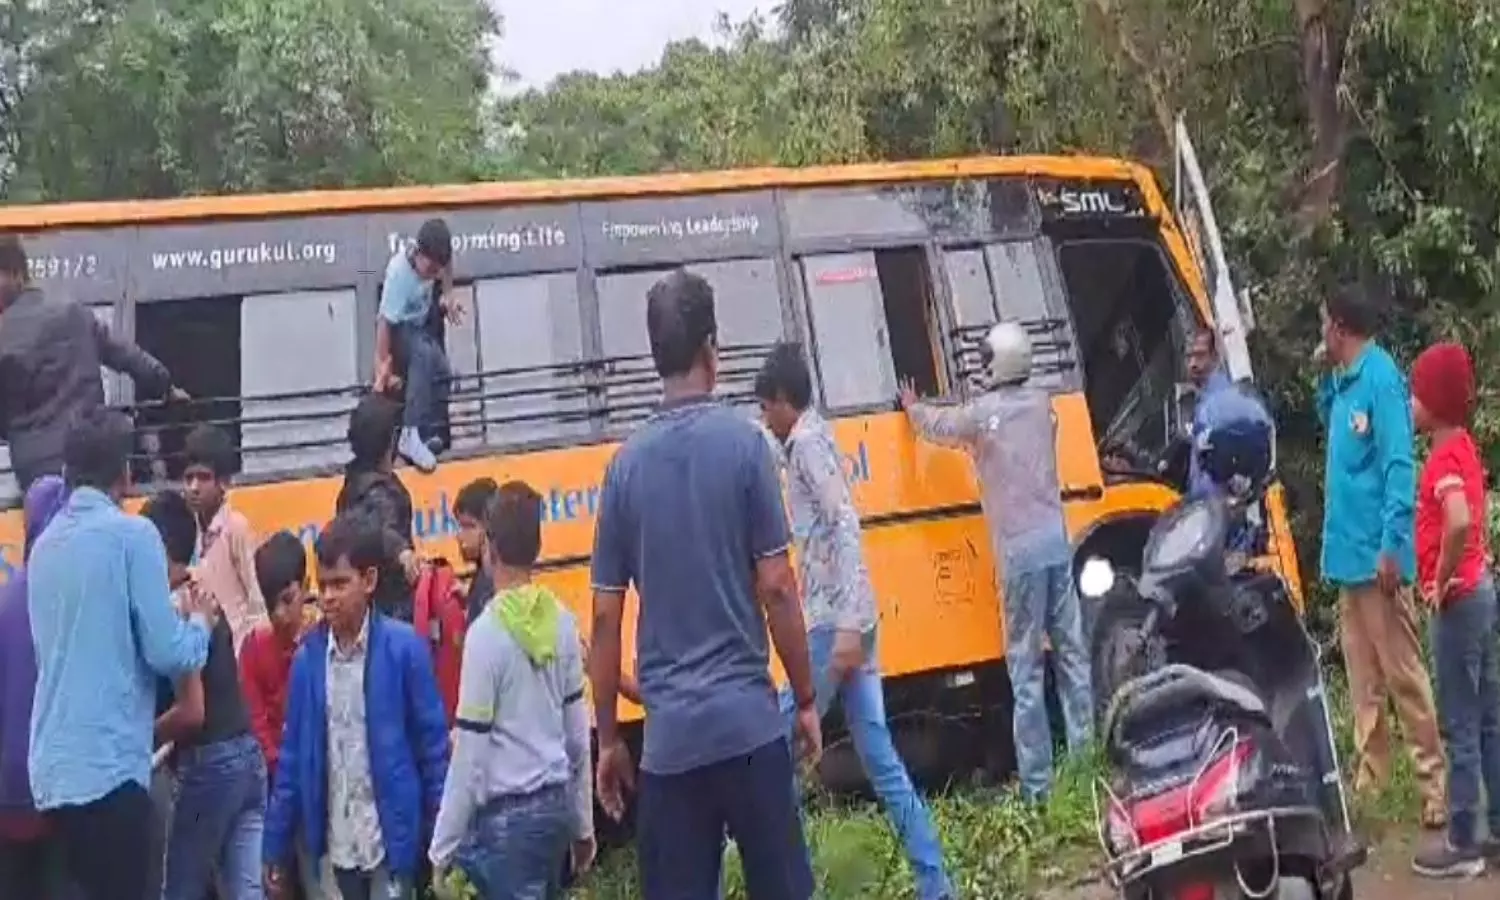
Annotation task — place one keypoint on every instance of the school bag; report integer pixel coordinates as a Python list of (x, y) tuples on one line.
[(438, 615)]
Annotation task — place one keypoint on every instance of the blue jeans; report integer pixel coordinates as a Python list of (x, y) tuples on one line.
[(380, 884), (516, 845), (427, 376), (863, 702), (1039, 602), (1465, 647), (217, 820)]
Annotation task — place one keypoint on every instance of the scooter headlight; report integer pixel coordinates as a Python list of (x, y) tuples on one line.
[(1096, 578)]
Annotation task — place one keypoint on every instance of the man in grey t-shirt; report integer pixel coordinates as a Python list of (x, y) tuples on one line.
[(691, 515)]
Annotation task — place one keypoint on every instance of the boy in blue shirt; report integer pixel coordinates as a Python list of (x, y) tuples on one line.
[(402, 334), (364, 750)]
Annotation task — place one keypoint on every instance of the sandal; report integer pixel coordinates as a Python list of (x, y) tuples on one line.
[(1434, 817)]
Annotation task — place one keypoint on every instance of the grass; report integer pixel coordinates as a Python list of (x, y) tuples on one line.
[(995, 845)]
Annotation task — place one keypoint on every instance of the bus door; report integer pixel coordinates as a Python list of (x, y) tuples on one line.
[(1196, 213), (1010, 281), (1234, 320)]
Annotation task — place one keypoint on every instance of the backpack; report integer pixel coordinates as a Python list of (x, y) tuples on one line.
[(438, 615)]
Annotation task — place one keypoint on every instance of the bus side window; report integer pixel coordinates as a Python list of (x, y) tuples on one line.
[(874, 324), (465, 403), (748, 309), (298, 369), (1022, 293), (198, 340), (530, 339)]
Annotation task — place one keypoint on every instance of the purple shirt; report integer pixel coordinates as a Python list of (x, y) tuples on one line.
[(18, 658)]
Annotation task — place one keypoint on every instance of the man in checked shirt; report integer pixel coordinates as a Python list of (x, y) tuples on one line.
[(840, 603)]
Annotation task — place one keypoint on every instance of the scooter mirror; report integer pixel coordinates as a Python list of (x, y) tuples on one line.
[(1096, 578)]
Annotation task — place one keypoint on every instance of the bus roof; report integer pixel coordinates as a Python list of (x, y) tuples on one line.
[(190, 209)]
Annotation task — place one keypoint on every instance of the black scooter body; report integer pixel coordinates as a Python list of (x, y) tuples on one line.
[(1198, 663)]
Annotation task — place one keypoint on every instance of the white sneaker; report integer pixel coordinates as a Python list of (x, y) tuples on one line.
[(414, 451)]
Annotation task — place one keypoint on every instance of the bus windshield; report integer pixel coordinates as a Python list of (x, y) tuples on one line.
[(1132, 319)]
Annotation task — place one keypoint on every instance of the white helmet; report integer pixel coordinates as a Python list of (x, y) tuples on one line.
[(1007, 352)]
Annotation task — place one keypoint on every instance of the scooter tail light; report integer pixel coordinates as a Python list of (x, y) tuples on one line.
[(1216, 792), (1201, 890)]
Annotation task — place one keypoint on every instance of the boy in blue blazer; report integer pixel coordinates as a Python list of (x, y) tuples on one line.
[(365, 748)]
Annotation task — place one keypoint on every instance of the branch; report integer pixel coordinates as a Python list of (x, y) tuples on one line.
[(1327, 45), (1161, 105)]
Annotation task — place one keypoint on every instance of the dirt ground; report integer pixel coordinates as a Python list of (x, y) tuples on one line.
[(1387, 876)]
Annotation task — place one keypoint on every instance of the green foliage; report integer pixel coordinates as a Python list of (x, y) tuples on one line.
[(154, 98), (1344, 138), (995, 845)]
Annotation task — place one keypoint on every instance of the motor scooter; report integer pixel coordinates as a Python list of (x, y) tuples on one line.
[(1223, 779)]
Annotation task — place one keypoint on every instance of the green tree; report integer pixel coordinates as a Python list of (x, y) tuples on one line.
[(1344, 139), (154, 98)]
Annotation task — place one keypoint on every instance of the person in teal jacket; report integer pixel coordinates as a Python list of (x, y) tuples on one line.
[(364, 751), (1368, 552)]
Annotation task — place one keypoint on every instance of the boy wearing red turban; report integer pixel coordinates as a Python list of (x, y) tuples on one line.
[(1453, 571)]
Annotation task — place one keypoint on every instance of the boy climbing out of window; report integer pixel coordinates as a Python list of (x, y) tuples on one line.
[(1010, 432), (225, 546), (469, 509), (402, 338), (218, 812), (365, 748), (1454, 575)]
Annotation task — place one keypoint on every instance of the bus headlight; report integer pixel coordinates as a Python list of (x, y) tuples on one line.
[(1096, 578)]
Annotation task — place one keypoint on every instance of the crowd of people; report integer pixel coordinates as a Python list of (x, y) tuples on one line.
[(316, 747)]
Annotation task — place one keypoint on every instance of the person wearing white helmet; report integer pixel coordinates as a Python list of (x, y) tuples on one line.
[(1009, 430)]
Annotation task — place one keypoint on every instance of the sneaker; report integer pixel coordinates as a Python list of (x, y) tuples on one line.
[(414, 451), (1442, 860)]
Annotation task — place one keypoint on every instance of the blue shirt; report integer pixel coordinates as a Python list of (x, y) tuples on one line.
[(1370, 485), (405, 297), (688, 505), (105, 629), (1198, 483)]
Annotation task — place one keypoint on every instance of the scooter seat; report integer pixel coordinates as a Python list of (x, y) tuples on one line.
[(1174, 686)]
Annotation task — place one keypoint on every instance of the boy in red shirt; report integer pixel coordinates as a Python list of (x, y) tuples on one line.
[(266, 657), (1453, 572)]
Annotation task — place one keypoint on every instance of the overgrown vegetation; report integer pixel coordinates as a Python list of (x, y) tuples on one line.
[(995, 845), (1345, 139)]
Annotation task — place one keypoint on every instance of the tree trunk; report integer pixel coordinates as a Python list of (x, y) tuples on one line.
[(1324, 39)]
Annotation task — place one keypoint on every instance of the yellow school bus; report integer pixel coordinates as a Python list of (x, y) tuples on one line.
[(264, 306)]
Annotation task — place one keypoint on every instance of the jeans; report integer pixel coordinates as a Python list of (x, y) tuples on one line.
[(863, 702), (1043, 601), (1465, 647), (681, 820), (107, 843), (218, 820), (427, 376), (380, 884), (515, 846)]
